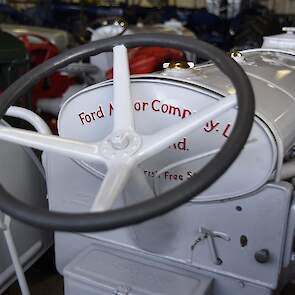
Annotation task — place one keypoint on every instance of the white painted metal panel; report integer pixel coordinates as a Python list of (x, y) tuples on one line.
[(157, 104)]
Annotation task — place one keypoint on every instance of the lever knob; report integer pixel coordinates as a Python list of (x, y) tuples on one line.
[(262, 256)]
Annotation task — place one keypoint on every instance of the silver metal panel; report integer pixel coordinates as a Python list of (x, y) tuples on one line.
[(261, 217)]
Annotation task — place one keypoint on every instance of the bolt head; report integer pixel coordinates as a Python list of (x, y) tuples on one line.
[(120, 141)]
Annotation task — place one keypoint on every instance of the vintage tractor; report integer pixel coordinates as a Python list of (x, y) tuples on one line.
[(168, 183)]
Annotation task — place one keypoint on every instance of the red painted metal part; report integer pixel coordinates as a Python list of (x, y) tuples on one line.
[(143, 60), (40, 50)]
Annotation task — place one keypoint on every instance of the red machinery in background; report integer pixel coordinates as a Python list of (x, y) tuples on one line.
[(144, 60), (40, 50)]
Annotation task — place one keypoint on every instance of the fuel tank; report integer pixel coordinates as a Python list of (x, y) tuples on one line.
[(169, 97)]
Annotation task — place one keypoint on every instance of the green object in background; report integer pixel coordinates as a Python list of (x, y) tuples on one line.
[(11, 48), (14, 59)]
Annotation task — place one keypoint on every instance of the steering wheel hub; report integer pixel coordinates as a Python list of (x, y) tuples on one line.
[(120, 140), (120, 144)]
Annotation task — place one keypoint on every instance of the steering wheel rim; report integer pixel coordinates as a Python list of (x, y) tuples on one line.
[(134, 214)]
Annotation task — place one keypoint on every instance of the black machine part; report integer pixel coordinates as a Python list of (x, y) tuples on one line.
[(137, 213)]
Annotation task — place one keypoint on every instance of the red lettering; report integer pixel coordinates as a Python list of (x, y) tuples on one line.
[(137, 106), (144, 105), (87, 118), (226, 130), (111, 109), (210, 126), (92, 114), (186, 113), (164, 108), (99, 113), (153, 105), (81, 118), (173, 110)]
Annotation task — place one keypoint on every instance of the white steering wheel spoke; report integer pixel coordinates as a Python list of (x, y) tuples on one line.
[(123, 108), (153, 144), (51, 143), (112, 185)]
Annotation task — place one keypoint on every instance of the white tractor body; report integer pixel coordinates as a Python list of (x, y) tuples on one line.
[(235, 238)]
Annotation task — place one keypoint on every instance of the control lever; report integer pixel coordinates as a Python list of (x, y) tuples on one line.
[(209, 235)]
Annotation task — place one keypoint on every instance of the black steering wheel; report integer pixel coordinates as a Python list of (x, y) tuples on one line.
[(124, 141)]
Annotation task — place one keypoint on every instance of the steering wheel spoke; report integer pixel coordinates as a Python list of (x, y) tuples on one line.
[(153, 144), (112, 185), (123, 108), (71, 148)]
